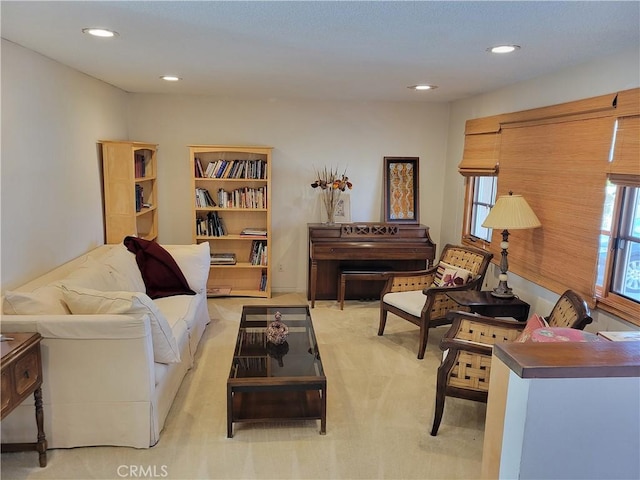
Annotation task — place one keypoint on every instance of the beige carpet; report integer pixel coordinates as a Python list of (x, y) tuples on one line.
[(380, 410)]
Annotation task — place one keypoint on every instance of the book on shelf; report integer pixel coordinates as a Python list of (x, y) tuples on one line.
[(139, 165), (258, 254), (139, 197), (223, 259), (204, 198), (254, 232), (210, 226)]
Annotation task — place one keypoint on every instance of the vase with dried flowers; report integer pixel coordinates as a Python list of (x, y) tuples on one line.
[(331, 185)]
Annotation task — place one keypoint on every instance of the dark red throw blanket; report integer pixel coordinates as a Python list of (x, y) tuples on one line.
[(161, 274)]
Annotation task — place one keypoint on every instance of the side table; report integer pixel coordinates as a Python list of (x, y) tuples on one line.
[(483, 303), (21, 376)]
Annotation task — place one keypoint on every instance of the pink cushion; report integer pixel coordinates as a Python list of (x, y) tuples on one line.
[(562, 334), (535, 322)]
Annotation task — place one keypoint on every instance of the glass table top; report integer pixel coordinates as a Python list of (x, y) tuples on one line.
[(255, 357)]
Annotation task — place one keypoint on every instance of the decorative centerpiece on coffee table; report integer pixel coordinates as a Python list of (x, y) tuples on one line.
[(277, 331)]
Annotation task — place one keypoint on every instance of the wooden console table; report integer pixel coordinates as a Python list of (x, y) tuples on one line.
[(363, 246), (22, 376)]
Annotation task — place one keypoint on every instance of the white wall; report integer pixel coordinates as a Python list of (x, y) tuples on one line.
[(614, 73), (305, 135), (52, 117), (51, 202)]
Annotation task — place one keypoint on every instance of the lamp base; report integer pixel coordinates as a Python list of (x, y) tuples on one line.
[(502, 290), (501, 294)]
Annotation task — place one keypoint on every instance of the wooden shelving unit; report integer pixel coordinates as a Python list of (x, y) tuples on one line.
[(243, 278), (130, 190)]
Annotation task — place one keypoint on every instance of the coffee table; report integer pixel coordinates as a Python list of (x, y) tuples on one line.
[(269, 383)]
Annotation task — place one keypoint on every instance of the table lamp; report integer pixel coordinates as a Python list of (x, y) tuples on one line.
[(510, 212)]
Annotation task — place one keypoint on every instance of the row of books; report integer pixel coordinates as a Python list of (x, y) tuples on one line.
[(139, 197), (243, 198), (258, 253), (211, 226), (253, 169), (203, 198), (263, 281), (139, 165)]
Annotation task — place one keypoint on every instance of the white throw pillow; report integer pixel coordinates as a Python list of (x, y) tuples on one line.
[(87, 301), (45, 300), (194, 261)]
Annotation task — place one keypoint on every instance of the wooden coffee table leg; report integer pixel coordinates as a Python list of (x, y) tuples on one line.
[(229, 412), (323, 411)]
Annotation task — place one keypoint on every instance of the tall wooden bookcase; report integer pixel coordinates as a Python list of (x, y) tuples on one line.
[(237, 179), (130, 190)]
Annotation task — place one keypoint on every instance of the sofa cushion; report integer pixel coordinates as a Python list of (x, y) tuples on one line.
[(124, 262), (161, 274), (194, 262), (535, 321), (451, 276), (45, 300), (87, 301), (96, 275)]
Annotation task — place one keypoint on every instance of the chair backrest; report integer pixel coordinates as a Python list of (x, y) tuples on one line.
[(570, 311), (472, 259)]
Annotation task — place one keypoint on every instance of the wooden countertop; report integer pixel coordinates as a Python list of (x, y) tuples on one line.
[(571, 359)]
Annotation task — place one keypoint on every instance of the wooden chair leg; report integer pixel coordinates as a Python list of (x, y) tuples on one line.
[(424, 336), (437, 417), (383, 321)]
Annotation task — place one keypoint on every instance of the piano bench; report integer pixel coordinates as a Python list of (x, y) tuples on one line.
[(362, 275)]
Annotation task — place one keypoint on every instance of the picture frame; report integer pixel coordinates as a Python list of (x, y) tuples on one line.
[(343, 209), (401, 194)]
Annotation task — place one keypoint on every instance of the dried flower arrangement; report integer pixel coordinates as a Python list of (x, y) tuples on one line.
[(332, 185)]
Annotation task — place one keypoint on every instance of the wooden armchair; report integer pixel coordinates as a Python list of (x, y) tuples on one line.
[(468, 345), (413, 296)]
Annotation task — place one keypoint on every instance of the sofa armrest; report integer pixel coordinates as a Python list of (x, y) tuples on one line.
[(91, 358)]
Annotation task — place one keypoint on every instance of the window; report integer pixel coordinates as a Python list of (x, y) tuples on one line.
[(484, 196), (619, 254), (481, 195)]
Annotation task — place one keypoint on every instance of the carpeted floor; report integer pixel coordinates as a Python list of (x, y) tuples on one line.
[(380, 409)]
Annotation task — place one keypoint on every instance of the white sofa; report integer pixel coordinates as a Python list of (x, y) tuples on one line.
[(108, 378)]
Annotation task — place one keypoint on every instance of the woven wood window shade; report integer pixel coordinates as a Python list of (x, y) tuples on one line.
[(560, 168), (480, 156), (481, 147), (625, 166)]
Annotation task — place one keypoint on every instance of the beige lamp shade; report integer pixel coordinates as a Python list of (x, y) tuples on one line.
[(511, 212)]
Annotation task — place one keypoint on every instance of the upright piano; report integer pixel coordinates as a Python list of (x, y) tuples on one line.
[(363, 246)]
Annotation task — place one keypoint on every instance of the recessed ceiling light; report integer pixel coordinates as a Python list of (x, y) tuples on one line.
[(100, 32), (423, 87), (503, 48), (170, 78)]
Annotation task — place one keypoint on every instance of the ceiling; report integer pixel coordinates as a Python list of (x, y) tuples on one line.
[(364, 50)]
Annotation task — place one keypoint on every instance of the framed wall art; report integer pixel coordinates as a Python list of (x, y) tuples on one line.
[(401, 190)]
